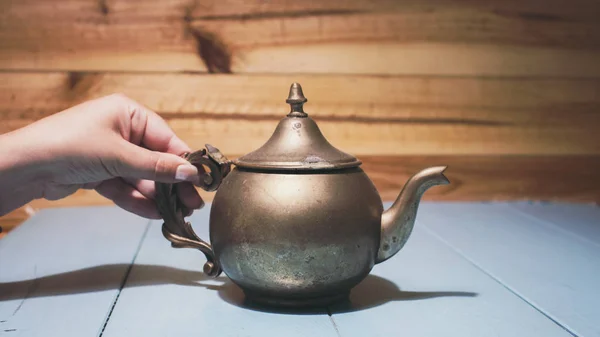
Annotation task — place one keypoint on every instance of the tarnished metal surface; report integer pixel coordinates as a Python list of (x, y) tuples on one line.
[(296, 235), (398, 221), (296, 222), (297, 144), (296, 101), (172, 210)]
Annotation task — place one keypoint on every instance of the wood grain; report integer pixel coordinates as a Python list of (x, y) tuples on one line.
[(26, 94), (495, 178), (351, 37), (412, 41), (84, 10), (467, 25), (242, 136), (362, 115)]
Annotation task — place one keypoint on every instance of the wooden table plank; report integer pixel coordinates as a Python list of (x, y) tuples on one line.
[(580, 220), (167, 294), (426, 290), (359, 37), (555, 272), (363, 115), (483, 100), (62, 269), (429, 290)]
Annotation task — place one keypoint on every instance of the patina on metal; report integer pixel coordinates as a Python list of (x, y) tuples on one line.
[(297, 144), (172, 210), (296, 222)]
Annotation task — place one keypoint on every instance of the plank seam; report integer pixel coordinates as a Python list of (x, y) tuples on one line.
[(92, 71), (551, 225), (32, 287), (125, 277), (513, 291), (332, 320)]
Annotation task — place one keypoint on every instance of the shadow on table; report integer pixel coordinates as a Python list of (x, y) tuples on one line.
[(372, 292)]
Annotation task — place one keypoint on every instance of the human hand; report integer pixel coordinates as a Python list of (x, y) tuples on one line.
[(112, 144)]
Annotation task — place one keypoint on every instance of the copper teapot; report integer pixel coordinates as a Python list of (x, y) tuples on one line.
[(296, 222)]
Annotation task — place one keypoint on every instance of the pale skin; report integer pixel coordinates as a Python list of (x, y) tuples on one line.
[(113, 145)]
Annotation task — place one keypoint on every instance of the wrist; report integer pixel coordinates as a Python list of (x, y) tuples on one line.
[(20, 153), (21, 171)]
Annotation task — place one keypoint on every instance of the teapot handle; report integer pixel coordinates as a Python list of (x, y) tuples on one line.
[(172, 210)]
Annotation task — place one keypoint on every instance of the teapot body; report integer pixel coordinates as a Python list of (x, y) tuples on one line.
[(290, 238), (296, 222)]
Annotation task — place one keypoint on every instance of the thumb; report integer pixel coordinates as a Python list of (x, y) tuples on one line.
[(140, 163)]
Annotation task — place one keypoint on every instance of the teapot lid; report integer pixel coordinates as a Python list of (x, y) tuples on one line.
[(297, 144)]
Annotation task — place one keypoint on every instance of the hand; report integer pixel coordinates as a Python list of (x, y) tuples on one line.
[(112, 144)]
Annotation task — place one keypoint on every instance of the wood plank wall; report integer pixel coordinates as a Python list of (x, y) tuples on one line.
[(506, 92)]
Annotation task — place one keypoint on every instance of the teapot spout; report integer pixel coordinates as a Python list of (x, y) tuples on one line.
[(398, 221)]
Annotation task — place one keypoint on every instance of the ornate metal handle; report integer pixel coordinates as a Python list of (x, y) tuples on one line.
[(172, 210)]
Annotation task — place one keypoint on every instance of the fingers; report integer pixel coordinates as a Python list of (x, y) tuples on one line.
[(189, 196), (128, 198), (140, 163), (152, 131), (160, 137), (187, 193), (138, 196), (152, 150), (145, 187), (149, 152)]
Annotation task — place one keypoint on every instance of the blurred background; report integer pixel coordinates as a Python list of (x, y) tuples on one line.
[(505, 92)]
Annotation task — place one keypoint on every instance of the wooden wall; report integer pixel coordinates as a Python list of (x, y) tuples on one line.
[(506, 92)]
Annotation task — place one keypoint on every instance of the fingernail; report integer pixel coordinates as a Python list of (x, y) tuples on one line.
[(186, 172)]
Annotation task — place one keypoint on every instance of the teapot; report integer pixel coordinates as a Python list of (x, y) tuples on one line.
[(296, 222)]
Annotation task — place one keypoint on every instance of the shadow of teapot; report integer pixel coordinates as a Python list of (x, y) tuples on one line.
[(371, 292)]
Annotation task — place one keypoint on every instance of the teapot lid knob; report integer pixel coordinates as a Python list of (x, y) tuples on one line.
[(297, 144), (296, 101)]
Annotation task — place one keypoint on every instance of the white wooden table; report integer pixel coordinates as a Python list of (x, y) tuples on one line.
[(470, 269)]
